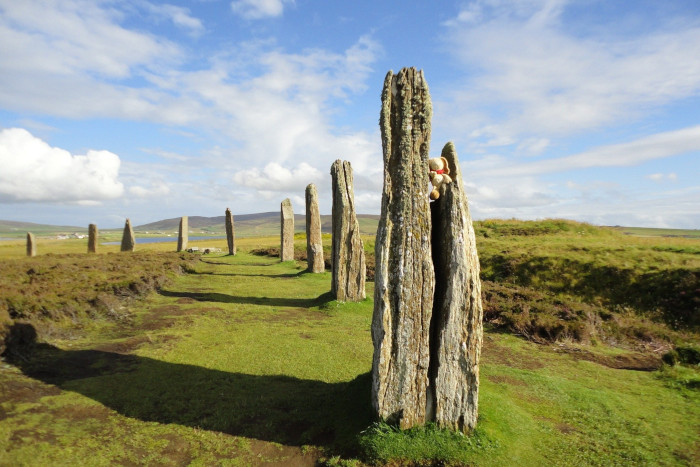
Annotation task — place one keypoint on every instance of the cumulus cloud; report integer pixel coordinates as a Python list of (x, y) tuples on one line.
[(34, 171), (257, 9), (276, 178)]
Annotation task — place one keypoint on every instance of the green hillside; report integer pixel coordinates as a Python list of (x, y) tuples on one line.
[(251, 225), (12, 229), (246, 360)]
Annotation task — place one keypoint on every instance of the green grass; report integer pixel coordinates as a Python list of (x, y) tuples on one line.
[(246, 360), (656, 232)]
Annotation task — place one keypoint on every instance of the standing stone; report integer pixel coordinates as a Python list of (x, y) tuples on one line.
[(92, 238), (314, 245), (183, 234), (31, 244), (287, 231), (404, 278), (456, 326), (230, 233), (128, 239), (348, 254)]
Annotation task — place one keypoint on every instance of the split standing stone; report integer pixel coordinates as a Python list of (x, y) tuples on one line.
[(314, 245), (183, 234), (31, 244), (404, 277), (128, 239), (456, 326), (287, 231), (230, 233), (92, 238), (348, 254)]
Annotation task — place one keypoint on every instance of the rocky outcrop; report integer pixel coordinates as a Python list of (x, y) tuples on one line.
[(314, 245), (128, 239), (92, 238), (347, 250), (456, 325), (31, 244), (230, 233), (286, 231), (183, 234), (404, 278)]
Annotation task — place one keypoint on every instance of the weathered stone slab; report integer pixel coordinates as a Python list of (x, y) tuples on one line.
[(347, 249), (456, 326), (404, 276), (230, 233), (31, 244), (128, 238), (287, 231), (92, 238), (183, 234), (314, 244)]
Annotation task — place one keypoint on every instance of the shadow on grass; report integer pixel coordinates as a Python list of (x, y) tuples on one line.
[(278, 408), (273, 276), (268, 301)]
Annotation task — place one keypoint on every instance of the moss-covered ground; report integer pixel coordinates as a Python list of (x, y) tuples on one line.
[(245, 360)]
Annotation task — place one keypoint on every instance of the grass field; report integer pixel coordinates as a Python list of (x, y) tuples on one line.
[(245, 361)]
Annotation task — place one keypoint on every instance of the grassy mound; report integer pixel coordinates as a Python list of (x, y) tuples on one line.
[(73, 288)]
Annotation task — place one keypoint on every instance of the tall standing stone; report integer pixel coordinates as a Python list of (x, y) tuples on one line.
[(347, 251), (404, 278), (128, 239), (456, 326), (286, 231), (31, 244), (314, 245), (183, 234), (230, 233), (92, 238)]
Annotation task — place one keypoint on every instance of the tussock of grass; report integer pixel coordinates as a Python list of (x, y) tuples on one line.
[(426, 445)]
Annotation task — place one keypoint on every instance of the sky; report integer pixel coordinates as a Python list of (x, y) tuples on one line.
[(578, 109)]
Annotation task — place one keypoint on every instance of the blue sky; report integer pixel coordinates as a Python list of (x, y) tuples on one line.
[(581, 109)]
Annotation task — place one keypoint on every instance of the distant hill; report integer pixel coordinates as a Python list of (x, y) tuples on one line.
[(20, 229), (251, 225), (262, 224), (247, 225)]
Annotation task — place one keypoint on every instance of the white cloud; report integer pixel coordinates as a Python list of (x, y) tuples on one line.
[(180, 16), (659, 177), (34, 171), (257, 9), (276, 178), (155, 190), (532, 75), (239, 96), (74, 36), (632, 153)]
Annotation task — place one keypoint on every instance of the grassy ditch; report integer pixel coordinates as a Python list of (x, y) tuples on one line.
[(558, 280), (55, 292)]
